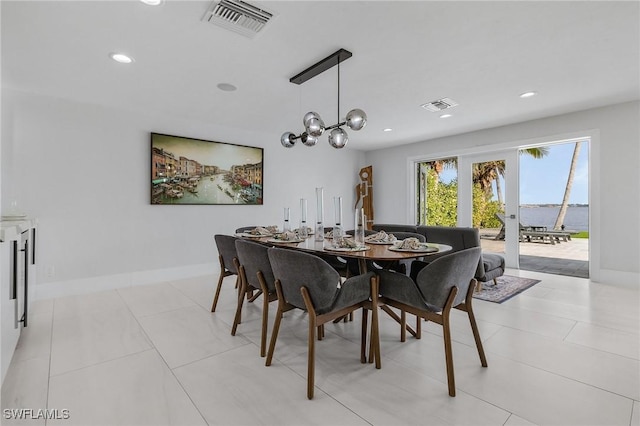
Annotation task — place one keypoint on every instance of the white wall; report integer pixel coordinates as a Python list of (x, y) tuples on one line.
[(618, 186), (84, 172)]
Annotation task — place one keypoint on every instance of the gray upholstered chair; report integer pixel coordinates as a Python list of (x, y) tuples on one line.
[(445, 283), (490, 265), (255, 273), (226, 255), (306, 282), (393, 228)]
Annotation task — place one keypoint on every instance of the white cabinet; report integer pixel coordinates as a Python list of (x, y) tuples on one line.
[(16, 277)]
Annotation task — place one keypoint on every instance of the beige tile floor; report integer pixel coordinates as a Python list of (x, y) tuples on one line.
[(564, 352)]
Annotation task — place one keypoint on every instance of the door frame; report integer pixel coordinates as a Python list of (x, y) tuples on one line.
[(593, 138)]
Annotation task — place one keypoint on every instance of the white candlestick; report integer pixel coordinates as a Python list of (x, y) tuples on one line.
[(303, 219), (319, 214)]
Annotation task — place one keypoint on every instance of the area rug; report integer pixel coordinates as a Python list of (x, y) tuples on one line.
[(507, 287)]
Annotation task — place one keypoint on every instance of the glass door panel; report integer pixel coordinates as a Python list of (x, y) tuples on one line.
[(488, 205), (437, 192), (488, 186)]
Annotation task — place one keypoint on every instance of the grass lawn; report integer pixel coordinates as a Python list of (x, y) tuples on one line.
[(581, 234)]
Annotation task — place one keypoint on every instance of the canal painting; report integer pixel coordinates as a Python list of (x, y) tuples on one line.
[(193, 171)]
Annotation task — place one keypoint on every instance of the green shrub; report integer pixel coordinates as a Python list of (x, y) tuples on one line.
[(442, 205)]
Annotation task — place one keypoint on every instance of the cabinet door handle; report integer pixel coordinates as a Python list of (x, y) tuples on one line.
[(14, 271), (33, 246), (26, 283)]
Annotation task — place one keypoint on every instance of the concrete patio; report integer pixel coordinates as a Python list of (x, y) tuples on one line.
[(566, 258)]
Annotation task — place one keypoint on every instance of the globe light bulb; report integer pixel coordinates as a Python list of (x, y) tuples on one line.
[(308, 140), (315, 126), (288, 139), (338, 138), (356, 119), (308, 116)]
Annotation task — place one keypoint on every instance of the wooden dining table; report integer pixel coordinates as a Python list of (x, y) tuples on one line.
[(372, 252)]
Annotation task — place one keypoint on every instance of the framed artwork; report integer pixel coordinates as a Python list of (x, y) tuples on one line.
[(194, 171)]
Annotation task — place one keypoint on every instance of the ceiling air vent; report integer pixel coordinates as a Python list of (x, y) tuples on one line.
[(439, 105), (238, 16)]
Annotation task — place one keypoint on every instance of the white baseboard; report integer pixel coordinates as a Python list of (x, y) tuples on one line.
[(109, 282), (620, 279)]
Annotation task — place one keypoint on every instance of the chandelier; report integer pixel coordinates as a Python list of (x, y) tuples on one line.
[(314, 126)]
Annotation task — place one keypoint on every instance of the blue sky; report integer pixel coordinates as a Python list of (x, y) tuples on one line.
[(542, 181)]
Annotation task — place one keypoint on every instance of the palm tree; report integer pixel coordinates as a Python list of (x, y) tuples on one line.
[(567, 190), (485, 173), (439, 165)]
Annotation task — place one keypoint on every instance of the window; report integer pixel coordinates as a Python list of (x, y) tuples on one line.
[(437, 192)]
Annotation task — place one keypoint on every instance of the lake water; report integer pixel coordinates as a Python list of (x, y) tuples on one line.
[(577, 218)]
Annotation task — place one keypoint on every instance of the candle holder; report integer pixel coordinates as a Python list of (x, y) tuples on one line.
[(319, 214), (303, 232), (337, 229), (287, 215), (360, 224)]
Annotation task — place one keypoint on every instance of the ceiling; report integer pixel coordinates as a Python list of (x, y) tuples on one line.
[(576, 55)]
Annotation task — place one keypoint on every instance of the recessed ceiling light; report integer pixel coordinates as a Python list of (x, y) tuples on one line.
[(227, 87), (387, 130), (151, 2), (446, 116), (120, 57), (528, 94)]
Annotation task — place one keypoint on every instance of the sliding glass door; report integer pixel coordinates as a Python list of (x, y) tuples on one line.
[(530, 202), (488, 194)]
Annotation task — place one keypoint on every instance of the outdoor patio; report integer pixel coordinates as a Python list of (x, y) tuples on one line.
[(566, 258)]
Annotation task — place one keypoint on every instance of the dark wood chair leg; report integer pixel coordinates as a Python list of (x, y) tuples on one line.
[(276, 324), (448, 349), (363, 336), (265, 319), (223, 273), (375, 332), (474, 326), (253, 296), (311, 360), (215, 298), (238, 317), (448, 352), (403, 326), (311, 357)]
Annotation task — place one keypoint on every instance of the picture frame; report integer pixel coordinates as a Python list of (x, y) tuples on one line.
[(187, 171)]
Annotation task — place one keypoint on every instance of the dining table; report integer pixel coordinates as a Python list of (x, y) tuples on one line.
[(370, 252)]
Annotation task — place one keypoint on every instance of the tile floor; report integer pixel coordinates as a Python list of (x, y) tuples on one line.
[(564, 352)]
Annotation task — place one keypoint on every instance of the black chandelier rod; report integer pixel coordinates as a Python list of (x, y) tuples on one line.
[(321, 66), (338, 91)]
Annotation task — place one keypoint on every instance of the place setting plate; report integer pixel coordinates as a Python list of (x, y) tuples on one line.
[(277, 240), (347, 249), (248, 235), (380, 243), (424, 248)]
